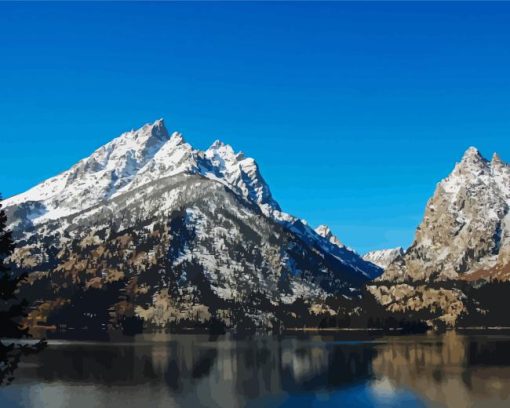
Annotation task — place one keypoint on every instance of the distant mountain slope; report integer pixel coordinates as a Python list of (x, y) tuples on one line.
[(151, 229), (337, 248), (383, 257)]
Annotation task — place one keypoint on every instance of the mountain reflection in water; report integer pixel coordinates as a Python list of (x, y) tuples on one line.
[(155, 370)]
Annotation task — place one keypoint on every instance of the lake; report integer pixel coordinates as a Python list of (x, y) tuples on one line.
[(349, 369)]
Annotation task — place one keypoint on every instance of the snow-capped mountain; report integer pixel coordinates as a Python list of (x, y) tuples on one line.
[(183, 234), (141, 156), (383, 257), (136, 158), (466, 226), (333, 245), (464, 236)]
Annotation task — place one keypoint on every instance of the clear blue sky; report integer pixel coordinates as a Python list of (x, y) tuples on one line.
[(354, 111)]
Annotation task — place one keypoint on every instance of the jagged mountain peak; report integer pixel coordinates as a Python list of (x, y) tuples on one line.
[(156, 129), (223, 151), (177, 138), (149, 135), (466, 223), (193, 228), (138, 157), (138, 144), (240, 172), (325, 232), (146, 155), (472, 162), (217, 144), (325, 239), (383, 257), (108, 170), (472, 152), (496, 159), (472, 156), (474, 171), (464, 236), (149, 156), (499, 166)]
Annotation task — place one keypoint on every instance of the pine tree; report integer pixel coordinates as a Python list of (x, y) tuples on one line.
[(12, 310)]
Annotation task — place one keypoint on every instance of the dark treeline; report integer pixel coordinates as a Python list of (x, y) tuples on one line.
[(488, 304), (12, 310), (94, 310)]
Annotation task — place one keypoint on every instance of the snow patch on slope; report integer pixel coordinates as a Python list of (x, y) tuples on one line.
[(140, 157), (383, 257)]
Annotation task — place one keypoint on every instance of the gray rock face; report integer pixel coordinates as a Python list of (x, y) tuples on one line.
[(464, 236), (465, 227)]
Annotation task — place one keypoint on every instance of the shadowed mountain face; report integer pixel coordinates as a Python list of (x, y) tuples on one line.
[(464, 237), (148, 231)]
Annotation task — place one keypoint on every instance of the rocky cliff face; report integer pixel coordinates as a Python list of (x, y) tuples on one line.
[(464, 236), (466, 226), (150, 230)]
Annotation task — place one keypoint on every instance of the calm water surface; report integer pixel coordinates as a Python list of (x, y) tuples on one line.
[(349, 369)]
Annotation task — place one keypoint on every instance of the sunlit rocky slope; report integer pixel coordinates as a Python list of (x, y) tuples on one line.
[(152, 232), (463, 241)]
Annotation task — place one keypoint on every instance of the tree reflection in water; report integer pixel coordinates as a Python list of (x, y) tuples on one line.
[(455, 370), (195, 370)]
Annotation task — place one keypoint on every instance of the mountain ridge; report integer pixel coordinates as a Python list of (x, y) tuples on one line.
[(184, 235), (383, 257), (139, 156), (175, 236)]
